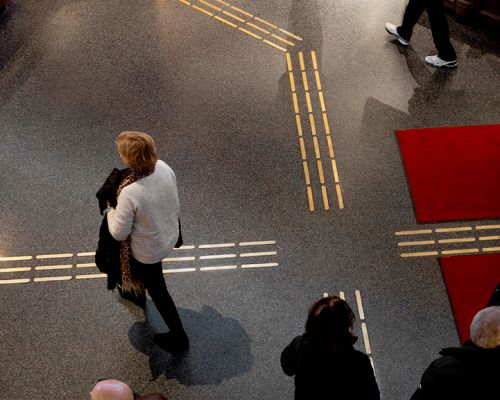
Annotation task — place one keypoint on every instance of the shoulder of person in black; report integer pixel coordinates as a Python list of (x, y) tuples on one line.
[(323, 374)]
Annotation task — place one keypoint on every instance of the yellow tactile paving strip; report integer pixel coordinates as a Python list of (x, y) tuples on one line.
[(432, 242), (362, 320), (245, 22), (300, 80), (75, 264)]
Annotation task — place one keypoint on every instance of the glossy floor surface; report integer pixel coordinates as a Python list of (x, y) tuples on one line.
[(219, 102)]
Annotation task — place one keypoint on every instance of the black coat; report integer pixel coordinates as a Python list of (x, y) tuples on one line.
[(107, 255), (323, 375), (467, 372)]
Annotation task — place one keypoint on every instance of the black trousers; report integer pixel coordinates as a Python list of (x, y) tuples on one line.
[(152, 276), (439, 25)]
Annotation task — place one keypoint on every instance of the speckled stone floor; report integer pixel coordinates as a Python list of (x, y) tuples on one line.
[(73, 74)]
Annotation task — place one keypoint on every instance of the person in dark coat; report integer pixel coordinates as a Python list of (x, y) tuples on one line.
[(323, 359), (468, 372)]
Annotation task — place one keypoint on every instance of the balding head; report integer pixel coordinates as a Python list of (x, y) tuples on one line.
[(485, 328), (111, 389)]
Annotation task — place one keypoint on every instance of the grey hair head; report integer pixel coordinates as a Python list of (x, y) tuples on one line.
[(485, 328)]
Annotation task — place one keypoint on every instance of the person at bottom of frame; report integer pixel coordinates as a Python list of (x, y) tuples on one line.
[(111, 389), (324, 361), (446, 56), (470, 371), (147, 211)]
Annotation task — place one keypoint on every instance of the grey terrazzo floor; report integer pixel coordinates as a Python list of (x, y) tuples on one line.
[(73, 74)]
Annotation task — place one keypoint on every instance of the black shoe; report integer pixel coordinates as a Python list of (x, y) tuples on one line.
[(172, 342)]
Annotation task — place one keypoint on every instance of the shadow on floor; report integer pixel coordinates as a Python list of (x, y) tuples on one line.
[(219, 347)]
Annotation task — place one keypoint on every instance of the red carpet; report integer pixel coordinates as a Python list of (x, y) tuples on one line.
[(470, 281), (454, 173)]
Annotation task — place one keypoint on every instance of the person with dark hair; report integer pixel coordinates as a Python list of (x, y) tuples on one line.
[(446, 56), (323, 359), (470, 371)]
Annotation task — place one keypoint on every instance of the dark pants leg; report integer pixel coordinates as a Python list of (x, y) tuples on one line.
[(413, 11), (152, 276), (440, 32)]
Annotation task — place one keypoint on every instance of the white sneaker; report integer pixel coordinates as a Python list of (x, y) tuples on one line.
[(435, 61), (393, 30)]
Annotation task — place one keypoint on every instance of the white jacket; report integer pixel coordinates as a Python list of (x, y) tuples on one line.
[(148, 211)]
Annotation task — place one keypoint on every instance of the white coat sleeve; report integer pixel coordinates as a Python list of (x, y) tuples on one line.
[(121, 218)]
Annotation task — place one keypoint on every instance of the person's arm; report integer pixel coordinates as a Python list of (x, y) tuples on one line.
[(435, 383), (369, 384), (121, 219), (289, 357)]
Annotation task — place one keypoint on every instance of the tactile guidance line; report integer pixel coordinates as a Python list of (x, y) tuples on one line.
[(320, 169), (245, 22), (459, 240), (258, 254)]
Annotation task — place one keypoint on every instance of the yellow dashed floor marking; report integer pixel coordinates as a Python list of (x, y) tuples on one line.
[(264, 265), (16, 258), (485, 227), (457, 240), (448, 240), (53, 267), (18, 269), (241, 11), (225, 21), (417, 232), (461, 251), (490, 249), (265, 22), (218, 9), (299, 125), (53, 279), (248, 245), (258, 28), (324, 194), (290, 34), (417, 243), (489, 238), (313, 130), (233, 16), (13, 281), (202, 10), (250, 33), (209, 5), (460, 229), (326, 124), (420, 254), (306, 173), (216, 245), (310, 198), (274, 45), (261, 243), (259, 254), (219, 268)]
